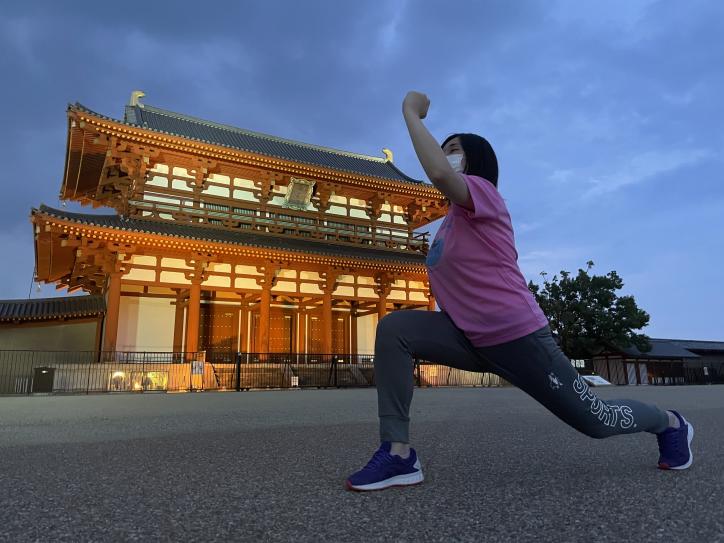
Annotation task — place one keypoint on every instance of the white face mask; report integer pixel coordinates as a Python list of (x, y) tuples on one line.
[(456, 161)]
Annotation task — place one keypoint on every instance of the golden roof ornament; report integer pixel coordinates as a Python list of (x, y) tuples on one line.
[(388, 155), (136, 96)]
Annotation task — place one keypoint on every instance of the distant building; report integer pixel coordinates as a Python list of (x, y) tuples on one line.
[(669, 362)]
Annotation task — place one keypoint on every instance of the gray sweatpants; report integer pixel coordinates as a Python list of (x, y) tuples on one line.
[(533, 363)]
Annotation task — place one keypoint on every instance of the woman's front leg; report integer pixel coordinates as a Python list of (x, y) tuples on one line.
[(401, 337)]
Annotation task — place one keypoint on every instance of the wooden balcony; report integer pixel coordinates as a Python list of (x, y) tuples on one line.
[(281, 221)]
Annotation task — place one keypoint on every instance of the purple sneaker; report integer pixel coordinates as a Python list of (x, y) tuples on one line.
[(385, 470), (675, 445)]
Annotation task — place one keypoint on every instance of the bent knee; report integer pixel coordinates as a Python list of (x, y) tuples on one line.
[(391, 323)]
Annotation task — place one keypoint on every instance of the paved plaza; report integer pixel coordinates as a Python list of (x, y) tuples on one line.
[(269, 466)]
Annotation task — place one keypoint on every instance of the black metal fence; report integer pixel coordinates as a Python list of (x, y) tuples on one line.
[(704, 372), (28, 372)]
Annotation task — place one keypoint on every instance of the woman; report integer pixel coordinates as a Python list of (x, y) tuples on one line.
[(490, 321)]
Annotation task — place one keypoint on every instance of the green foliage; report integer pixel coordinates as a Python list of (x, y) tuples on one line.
[(587, 314)]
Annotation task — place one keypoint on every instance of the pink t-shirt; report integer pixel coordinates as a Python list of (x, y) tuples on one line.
[(474, 274)]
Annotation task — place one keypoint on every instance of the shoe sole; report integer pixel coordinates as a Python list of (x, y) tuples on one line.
[(408, 479), (690, 436)]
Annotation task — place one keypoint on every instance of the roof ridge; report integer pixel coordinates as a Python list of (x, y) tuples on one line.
[(262, 135), (698, 340), (94, 112), (133, 116), (54, 210), (52, 298), (403, 174)]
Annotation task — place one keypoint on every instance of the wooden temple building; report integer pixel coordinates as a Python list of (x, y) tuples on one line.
[(226, 239)]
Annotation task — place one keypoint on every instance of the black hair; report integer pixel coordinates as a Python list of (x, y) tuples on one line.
[(480, 158)]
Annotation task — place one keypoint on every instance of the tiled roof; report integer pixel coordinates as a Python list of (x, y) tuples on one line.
[(51, 308), (177, 124), (248, 239), (660, 348), (695, 345)]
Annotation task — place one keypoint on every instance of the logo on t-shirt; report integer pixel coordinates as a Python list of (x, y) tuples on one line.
[(435, 253)]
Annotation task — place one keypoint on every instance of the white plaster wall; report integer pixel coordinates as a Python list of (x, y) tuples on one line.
[(284, 286), (418, 297), (244, 195), (142, 260), (175, 263), (216, 190), (344, 291), (217, 281), (366, 327), (337, 210), (397, 295), (247, 283), (358, 213), (138, 274), (145, 324)]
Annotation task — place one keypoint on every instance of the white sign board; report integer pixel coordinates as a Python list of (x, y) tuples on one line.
[(595, 380), (197, 367)]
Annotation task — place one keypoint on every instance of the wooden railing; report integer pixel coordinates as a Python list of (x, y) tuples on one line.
[(282, 221)]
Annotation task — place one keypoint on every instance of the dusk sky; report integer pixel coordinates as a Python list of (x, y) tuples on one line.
[(607, 117)]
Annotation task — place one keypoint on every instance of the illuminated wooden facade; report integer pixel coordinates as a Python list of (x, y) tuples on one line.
[(225, 239)]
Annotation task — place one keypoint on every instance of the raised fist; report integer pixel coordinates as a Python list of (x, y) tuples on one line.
[(416, 104)]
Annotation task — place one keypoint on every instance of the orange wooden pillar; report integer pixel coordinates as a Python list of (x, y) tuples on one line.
[(244, 328), (178, 325), (327, 323), (383, 289), (381, 307), (264, 307), (302, 332), (113, 306), (192, 326), (431, 303), (353, 325)]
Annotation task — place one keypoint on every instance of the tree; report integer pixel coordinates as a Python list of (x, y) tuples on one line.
[(587, 315)]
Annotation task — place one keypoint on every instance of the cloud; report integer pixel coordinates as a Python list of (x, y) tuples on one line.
[(580, 100), (644, 167), (525, 227), (623, 17), (17, 35), (389, 33), (562, 176)]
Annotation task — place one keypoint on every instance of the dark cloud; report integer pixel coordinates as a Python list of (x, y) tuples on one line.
[(572, 95)]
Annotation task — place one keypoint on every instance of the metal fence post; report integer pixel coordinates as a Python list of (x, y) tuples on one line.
[(334, 361), (87, 384), (238, 372), (31, 375)]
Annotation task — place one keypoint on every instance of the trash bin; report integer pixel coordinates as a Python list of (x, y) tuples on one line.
[(43, 379)]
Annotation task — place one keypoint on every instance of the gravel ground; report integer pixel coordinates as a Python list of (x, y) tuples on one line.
[(270, 466)]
